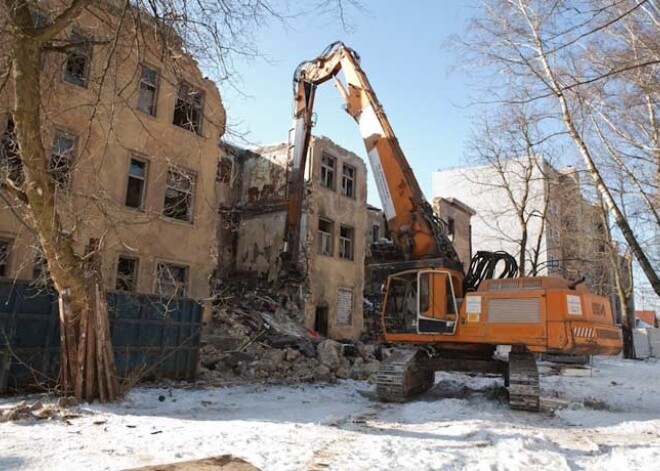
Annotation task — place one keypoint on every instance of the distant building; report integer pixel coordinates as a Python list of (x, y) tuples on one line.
[(334, 226), (648, 317), (566, 234)]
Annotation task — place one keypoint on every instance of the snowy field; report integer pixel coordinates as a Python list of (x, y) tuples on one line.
[(612, 421)]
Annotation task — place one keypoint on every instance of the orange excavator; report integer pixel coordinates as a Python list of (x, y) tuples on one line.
[(439, 317)]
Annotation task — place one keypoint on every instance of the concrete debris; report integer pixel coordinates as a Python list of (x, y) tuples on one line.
[(255, 333)]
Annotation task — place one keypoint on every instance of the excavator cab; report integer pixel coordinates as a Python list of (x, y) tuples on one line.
[(422, 302)]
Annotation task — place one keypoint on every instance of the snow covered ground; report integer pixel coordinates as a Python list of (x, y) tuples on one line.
[(463, 423)]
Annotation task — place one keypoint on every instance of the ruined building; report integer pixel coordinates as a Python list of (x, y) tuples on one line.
[(133, 141), (458, 217), (334, 224)]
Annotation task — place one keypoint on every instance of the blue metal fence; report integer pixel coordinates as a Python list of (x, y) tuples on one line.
[(153, 337)]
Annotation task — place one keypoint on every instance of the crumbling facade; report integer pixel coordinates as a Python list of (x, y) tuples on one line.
[(457, 216), (133, 142), (334, 227)]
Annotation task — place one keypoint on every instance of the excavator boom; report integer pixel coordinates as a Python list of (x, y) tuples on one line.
[(414, 228)]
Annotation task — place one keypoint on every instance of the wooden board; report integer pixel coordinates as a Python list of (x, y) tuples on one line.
[(216, 463)]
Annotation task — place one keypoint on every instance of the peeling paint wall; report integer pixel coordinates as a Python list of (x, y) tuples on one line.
[(109, 130)]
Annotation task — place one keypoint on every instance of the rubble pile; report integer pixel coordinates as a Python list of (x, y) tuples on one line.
[(255, 333), (37, 410)]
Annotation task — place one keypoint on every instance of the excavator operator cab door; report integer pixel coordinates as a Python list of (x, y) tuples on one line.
[(437, 308)]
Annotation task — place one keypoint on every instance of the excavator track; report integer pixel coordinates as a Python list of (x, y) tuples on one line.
[(401, 377), (523, 382)]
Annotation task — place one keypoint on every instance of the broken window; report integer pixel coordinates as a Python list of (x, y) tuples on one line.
[(148, 91), (188, 108), (346, 242), (10, 160), (76, 68), (224, 170), (344, 306), (5, 249), (179, 195), (451, 227), (325, 237), (61, 159), (137, 182), (348, 181), (375, 233), (126, 274), (40, 267), (171, 279), (328, 165)]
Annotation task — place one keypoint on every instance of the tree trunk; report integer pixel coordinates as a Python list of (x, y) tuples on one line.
[(594, 173), (81, 319)]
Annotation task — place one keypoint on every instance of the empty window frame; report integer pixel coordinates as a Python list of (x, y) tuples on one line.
[(375, 233), (348, 181), (189, 108), (10, 160), (344, 306), (346, 237), (78, 59), (126, 274), (40, 267), (325, 237), (137, 183), (148, 90), (61, 158), (179, 192), (451, 227), (328, 165), (5, 251), (171, 279)]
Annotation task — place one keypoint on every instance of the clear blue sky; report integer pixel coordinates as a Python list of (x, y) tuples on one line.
[(404, 53)]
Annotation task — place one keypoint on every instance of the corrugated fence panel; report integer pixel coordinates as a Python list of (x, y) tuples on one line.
[(152, 337)]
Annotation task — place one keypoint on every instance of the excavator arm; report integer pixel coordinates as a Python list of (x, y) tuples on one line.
[(412, 223)]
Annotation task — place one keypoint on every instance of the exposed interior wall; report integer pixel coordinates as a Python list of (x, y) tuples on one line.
[(259, 201), (109, 130)]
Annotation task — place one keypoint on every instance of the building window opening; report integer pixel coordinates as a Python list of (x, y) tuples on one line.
[(61, 159), (344, 307), (328, 165), (178, 202), (188, 108), (135, 189), (346, 242), (325, 237), (171, 280), (126, 274), (5, 250), (375, 233), (348, 181), (76, 69), (148, 91), (10, 160)]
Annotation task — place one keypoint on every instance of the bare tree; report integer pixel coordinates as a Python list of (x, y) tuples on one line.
[(593, 66), (37, 41), (517, 173)]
